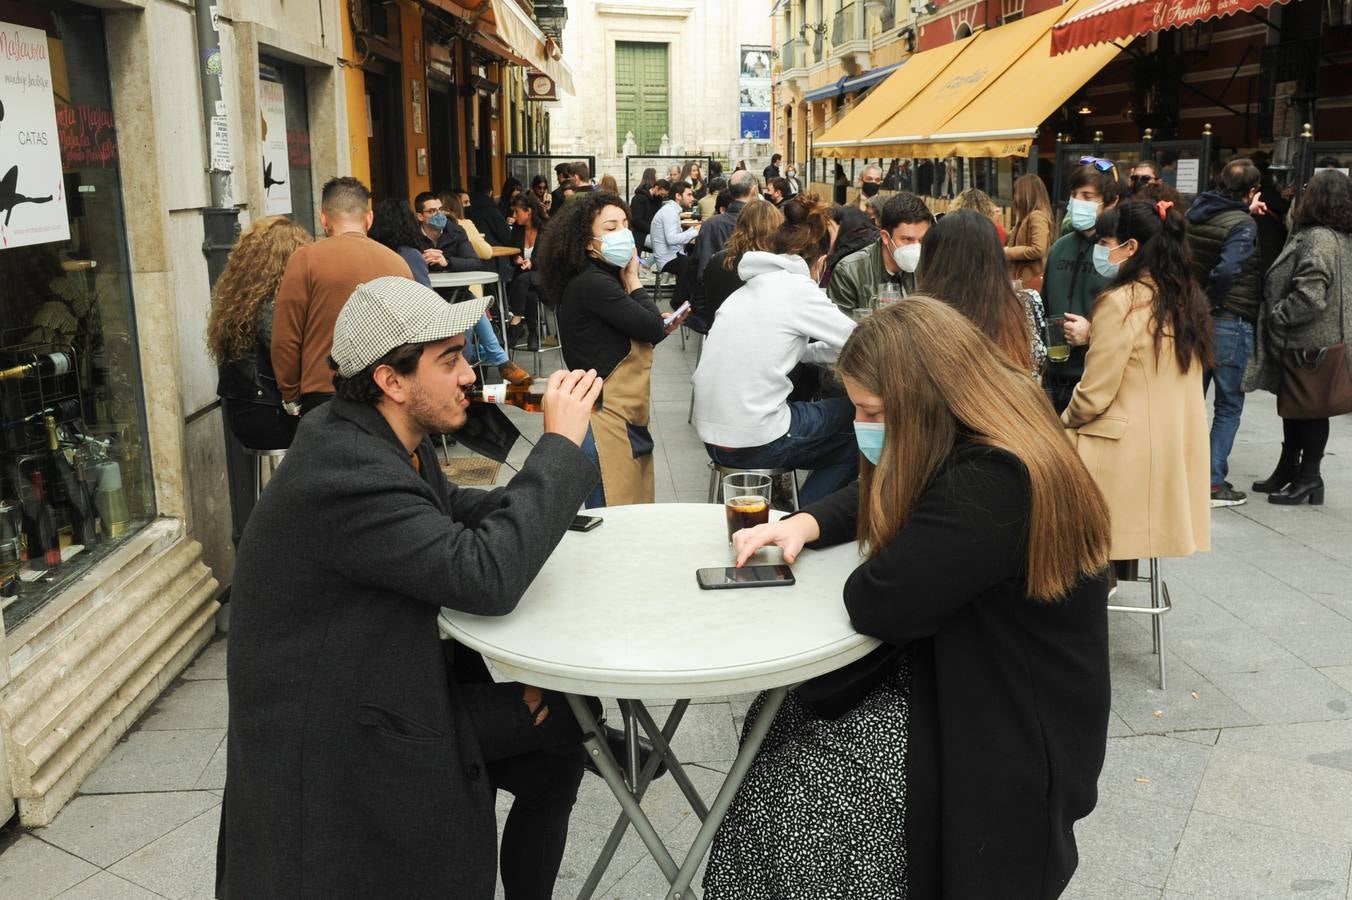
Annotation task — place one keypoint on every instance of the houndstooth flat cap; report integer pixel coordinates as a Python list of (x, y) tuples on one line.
[(390, 311)]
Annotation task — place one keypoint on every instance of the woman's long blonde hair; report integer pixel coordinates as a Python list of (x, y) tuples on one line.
[(250, 278), (757, 221), (940, 380)]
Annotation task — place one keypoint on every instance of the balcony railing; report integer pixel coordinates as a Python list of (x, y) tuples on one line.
[(843, 27), (789, 56)]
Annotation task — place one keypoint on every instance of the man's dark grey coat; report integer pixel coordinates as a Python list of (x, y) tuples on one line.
[(351, 769)]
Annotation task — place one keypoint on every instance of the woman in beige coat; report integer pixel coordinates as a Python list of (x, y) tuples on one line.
[(1137, 416)]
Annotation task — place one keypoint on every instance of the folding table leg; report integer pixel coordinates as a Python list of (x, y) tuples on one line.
[(622, 822), (595, 744), (663, 747), (750, 747)]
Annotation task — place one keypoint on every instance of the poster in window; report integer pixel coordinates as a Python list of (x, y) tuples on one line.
[(32, 190), (276, 160), (754, 92)]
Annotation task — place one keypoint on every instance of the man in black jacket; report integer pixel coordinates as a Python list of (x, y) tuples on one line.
[(716, 231), (1223, 239), (444, 244), (361, 761)]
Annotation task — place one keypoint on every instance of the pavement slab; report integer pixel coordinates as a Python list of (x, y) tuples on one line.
[(104, 828), (182, 864), (1224, 858), (35, 870)]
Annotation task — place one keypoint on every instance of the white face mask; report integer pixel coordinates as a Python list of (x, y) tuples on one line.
[(907, 257)]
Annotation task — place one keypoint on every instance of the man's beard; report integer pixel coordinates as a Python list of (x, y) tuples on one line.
[(432, 418)]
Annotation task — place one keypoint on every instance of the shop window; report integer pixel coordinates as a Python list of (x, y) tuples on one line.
[(287, 178), (75, 478)]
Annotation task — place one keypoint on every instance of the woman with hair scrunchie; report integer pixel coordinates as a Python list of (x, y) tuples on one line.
[(1307, 304), (1137, 417)]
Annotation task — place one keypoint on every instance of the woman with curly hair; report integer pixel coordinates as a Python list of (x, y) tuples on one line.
[(979, 201), (1307, 308), (608, 323), (239, 333)]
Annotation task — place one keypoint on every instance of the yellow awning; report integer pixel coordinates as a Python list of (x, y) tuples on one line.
[(885, 99), (990, 99)]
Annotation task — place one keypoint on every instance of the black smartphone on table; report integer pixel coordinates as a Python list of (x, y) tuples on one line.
[(730, 577), (585, 523)]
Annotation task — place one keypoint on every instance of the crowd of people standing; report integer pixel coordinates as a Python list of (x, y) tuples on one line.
[(907, 361)]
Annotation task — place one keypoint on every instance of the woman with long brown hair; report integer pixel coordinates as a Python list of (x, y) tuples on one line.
[(717, 280), (955, 759), (1031, 240), (239, 333), (962, 264)]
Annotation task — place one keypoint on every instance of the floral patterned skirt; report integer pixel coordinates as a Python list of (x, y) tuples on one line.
[(822, 811)]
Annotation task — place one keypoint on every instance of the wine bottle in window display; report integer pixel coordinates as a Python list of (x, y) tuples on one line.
[(44, 545)]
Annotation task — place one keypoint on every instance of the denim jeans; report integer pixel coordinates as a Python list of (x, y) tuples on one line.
[(1234, 343), (820, 438), (484, 337)]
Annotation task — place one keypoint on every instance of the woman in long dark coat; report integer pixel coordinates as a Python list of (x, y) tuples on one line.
[(954, 760)]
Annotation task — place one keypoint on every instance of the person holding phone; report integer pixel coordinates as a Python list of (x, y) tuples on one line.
[(607, 322), (955, 759)]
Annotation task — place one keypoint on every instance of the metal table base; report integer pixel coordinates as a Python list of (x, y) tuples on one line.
[(629, 785)]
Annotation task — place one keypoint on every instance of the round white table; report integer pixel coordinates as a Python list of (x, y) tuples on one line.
[(470, 279), (617, 612)]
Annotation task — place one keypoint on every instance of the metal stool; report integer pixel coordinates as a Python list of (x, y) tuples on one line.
[(1159, 605), (264, 464), (543, 328), (716, 473), (699, 350)]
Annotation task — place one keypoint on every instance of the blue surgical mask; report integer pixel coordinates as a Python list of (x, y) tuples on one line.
[(870, 436), (617, 247), (1104, 266), (437, 220), (1083, 214)]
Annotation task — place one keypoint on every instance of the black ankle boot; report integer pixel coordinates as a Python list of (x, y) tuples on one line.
[(1308, 485), (1287, 468)]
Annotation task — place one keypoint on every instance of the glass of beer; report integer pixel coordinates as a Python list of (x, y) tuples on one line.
[(746, 500), (1058, 351)]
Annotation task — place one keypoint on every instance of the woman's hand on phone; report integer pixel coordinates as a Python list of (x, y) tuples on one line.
[(789, 535)]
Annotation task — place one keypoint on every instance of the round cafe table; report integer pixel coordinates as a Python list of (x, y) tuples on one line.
[(616, 612)]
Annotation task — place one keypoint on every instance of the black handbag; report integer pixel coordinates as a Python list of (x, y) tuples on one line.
[(1316, 383)]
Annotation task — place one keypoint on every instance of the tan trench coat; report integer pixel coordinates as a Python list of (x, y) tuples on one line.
[(1140, 426)]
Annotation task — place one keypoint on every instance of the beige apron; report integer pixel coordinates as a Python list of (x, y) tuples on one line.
[(620, 429)]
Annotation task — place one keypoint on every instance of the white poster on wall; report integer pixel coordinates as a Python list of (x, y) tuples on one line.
[(32, 191), (276, 167), (1188, 176)]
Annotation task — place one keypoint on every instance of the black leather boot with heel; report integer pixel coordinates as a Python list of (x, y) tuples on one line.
[(1288, 466), (1307, 485)]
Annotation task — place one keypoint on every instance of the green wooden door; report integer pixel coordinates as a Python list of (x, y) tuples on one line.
[(640, 94)]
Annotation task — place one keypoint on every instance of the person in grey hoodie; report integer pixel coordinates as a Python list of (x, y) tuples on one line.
[(1223, 239), (777, 319)]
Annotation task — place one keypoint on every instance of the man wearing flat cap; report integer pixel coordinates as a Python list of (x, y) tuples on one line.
[(361, 760)]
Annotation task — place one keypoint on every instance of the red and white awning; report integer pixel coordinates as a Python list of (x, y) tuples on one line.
[(1114, 20)]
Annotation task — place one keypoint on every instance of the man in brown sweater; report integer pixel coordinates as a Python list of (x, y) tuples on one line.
[(318, 280)]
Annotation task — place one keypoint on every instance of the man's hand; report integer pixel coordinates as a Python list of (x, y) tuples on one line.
[(569, 398), (434, 257), (1077, 329), (788, 534)]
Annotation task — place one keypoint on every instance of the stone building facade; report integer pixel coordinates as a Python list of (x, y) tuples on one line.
[(701, 48)]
